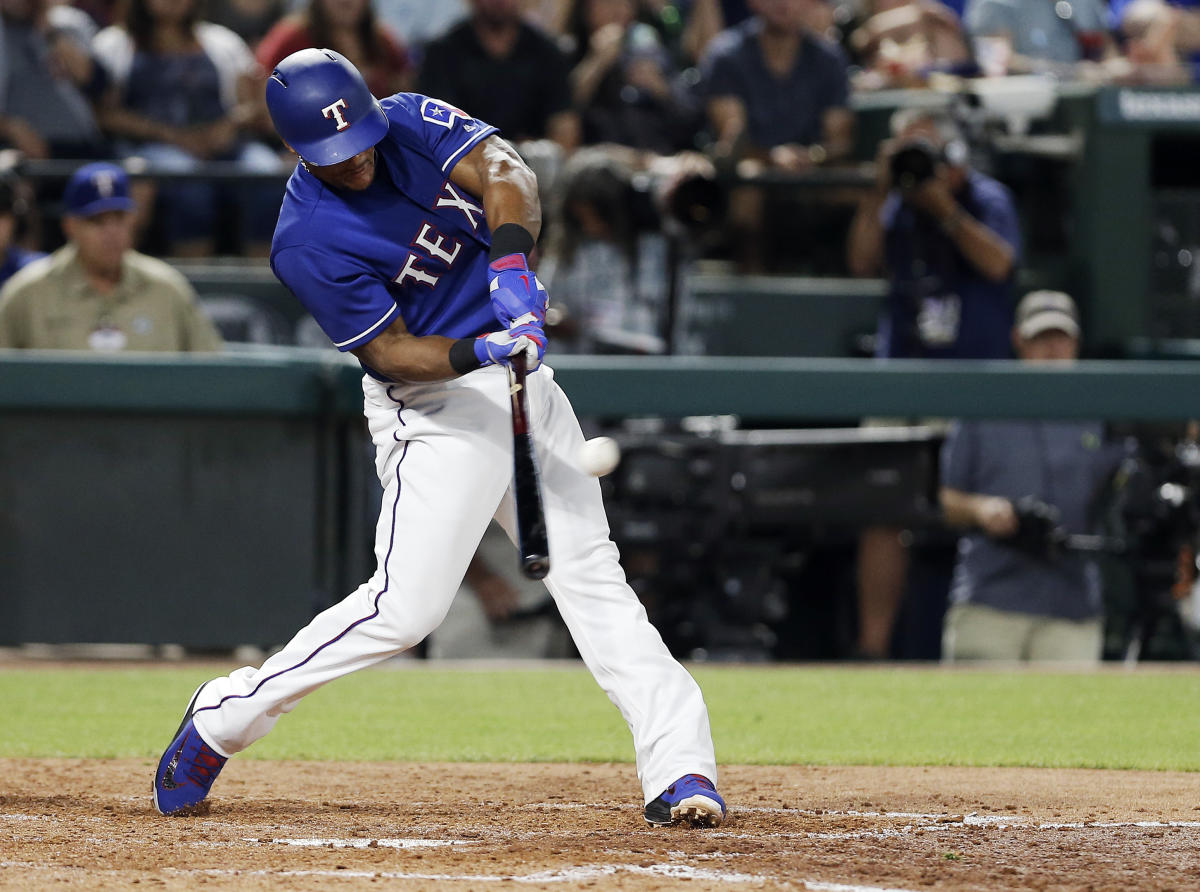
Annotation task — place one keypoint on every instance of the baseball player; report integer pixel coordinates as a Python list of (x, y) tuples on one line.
[(405, 231)]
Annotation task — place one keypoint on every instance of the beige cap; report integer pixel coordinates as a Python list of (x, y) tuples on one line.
[(1041, 311)]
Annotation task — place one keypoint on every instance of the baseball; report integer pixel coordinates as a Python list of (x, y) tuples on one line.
[(599, 456)]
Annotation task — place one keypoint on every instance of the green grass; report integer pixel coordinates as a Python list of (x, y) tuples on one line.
[(773, 715)]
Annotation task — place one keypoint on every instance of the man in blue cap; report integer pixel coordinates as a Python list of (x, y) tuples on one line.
[(96, 292)]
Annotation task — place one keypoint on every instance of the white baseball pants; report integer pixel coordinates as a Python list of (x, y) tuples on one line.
[(444, 456)]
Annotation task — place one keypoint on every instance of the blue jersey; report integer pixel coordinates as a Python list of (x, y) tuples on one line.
[(412, 244)]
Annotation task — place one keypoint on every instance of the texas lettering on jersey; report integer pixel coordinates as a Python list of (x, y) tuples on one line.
[(434, 244)]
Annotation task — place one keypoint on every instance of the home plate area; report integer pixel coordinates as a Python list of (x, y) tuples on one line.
[(293, 825)]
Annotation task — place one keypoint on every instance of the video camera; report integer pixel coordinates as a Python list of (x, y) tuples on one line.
[(1157, 505)]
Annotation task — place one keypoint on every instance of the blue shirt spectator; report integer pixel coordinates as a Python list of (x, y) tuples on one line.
[(780, 109), (939, 304), (1061, 463), (1040, 31), (1013, 595)]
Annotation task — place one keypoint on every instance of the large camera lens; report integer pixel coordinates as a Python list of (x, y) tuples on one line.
[(913, 163), (698, 203)]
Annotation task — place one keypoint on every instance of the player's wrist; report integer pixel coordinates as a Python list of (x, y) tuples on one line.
[(468, 354), (509, 239)]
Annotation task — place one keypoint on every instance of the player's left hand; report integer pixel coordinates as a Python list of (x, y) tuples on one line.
[(502, 346), (515, 291)]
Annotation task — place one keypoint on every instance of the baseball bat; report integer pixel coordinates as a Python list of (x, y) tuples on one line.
[(527, 484)]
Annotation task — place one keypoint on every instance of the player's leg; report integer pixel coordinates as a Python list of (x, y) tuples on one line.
[(976, 632), (1075, 641), (657, 697), (438, 450)]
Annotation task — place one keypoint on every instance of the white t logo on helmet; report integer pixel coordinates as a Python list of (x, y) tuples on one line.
[(334, 112)]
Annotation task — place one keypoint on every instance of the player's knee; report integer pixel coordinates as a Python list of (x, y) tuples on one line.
[(409, 620)]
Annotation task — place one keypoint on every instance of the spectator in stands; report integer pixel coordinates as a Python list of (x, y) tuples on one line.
[(1022, 36), (1152, 37), (1015, 597), (14, 202), (420, 21), (777, 93), (248, 19), (624, 83), (687, 27), (96, 292), (605, 258), (901, 43), (505, 71), (947, 239), (351, 28), (183, 92), (776, 98), (48, 81)]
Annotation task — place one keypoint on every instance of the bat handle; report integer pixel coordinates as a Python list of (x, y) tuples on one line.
[(516, 389)]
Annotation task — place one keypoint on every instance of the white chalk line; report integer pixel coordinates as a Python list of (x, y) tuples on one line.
[(564, 875), (364, 843), (939, 823), (936, 823), (568, 875)]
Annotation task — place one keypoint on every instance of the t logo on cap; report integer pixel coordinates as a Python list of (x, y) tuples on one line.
[(97, 188), (104, 183)]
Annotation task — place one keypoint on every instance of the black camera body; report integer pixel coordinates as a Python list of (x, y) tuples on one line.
[(913, 163)]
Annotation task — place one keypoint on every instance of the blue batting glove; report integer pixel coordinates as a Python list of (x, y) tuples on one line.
[(515, 291), (501, 346)]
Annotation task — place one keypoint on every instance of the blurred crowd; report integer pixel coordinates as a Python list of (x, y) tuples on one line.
[(672, 88)]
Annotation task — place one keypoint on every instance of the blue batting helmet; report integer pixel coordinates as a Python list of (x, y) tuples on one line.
[(321, 107)]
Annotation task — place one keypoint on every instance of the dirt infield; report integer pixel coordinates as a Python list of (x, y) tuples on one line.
[(310, 825)]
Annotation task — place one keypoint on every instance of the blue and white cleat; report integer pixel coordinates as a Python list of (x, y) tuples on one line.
[(187, 769), (692, 799)]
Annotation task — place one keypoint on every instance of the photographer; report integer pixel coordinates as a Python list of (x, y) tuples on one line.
[(608, 258), (946, 237), (1019, 487)]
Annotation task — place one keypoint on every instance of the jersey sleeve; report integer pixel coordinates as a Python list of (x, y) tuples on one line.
[(446, 133), (957, 459), (350, 304), (998, 212)]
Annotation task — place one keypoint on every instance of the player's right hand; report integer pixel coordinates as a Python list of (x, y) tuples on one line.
[(501, 346)]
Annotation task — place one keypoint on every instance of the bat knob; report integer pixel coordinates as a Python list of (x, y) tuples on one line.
[(536, 567)]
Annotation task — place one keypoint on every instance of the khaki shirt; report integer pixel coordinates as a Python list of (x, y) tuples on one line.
[(49, 305)]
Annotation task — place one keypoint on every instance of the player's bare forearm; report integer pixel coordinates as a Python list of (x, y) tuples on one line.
[(399, 355), (495, 172)]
